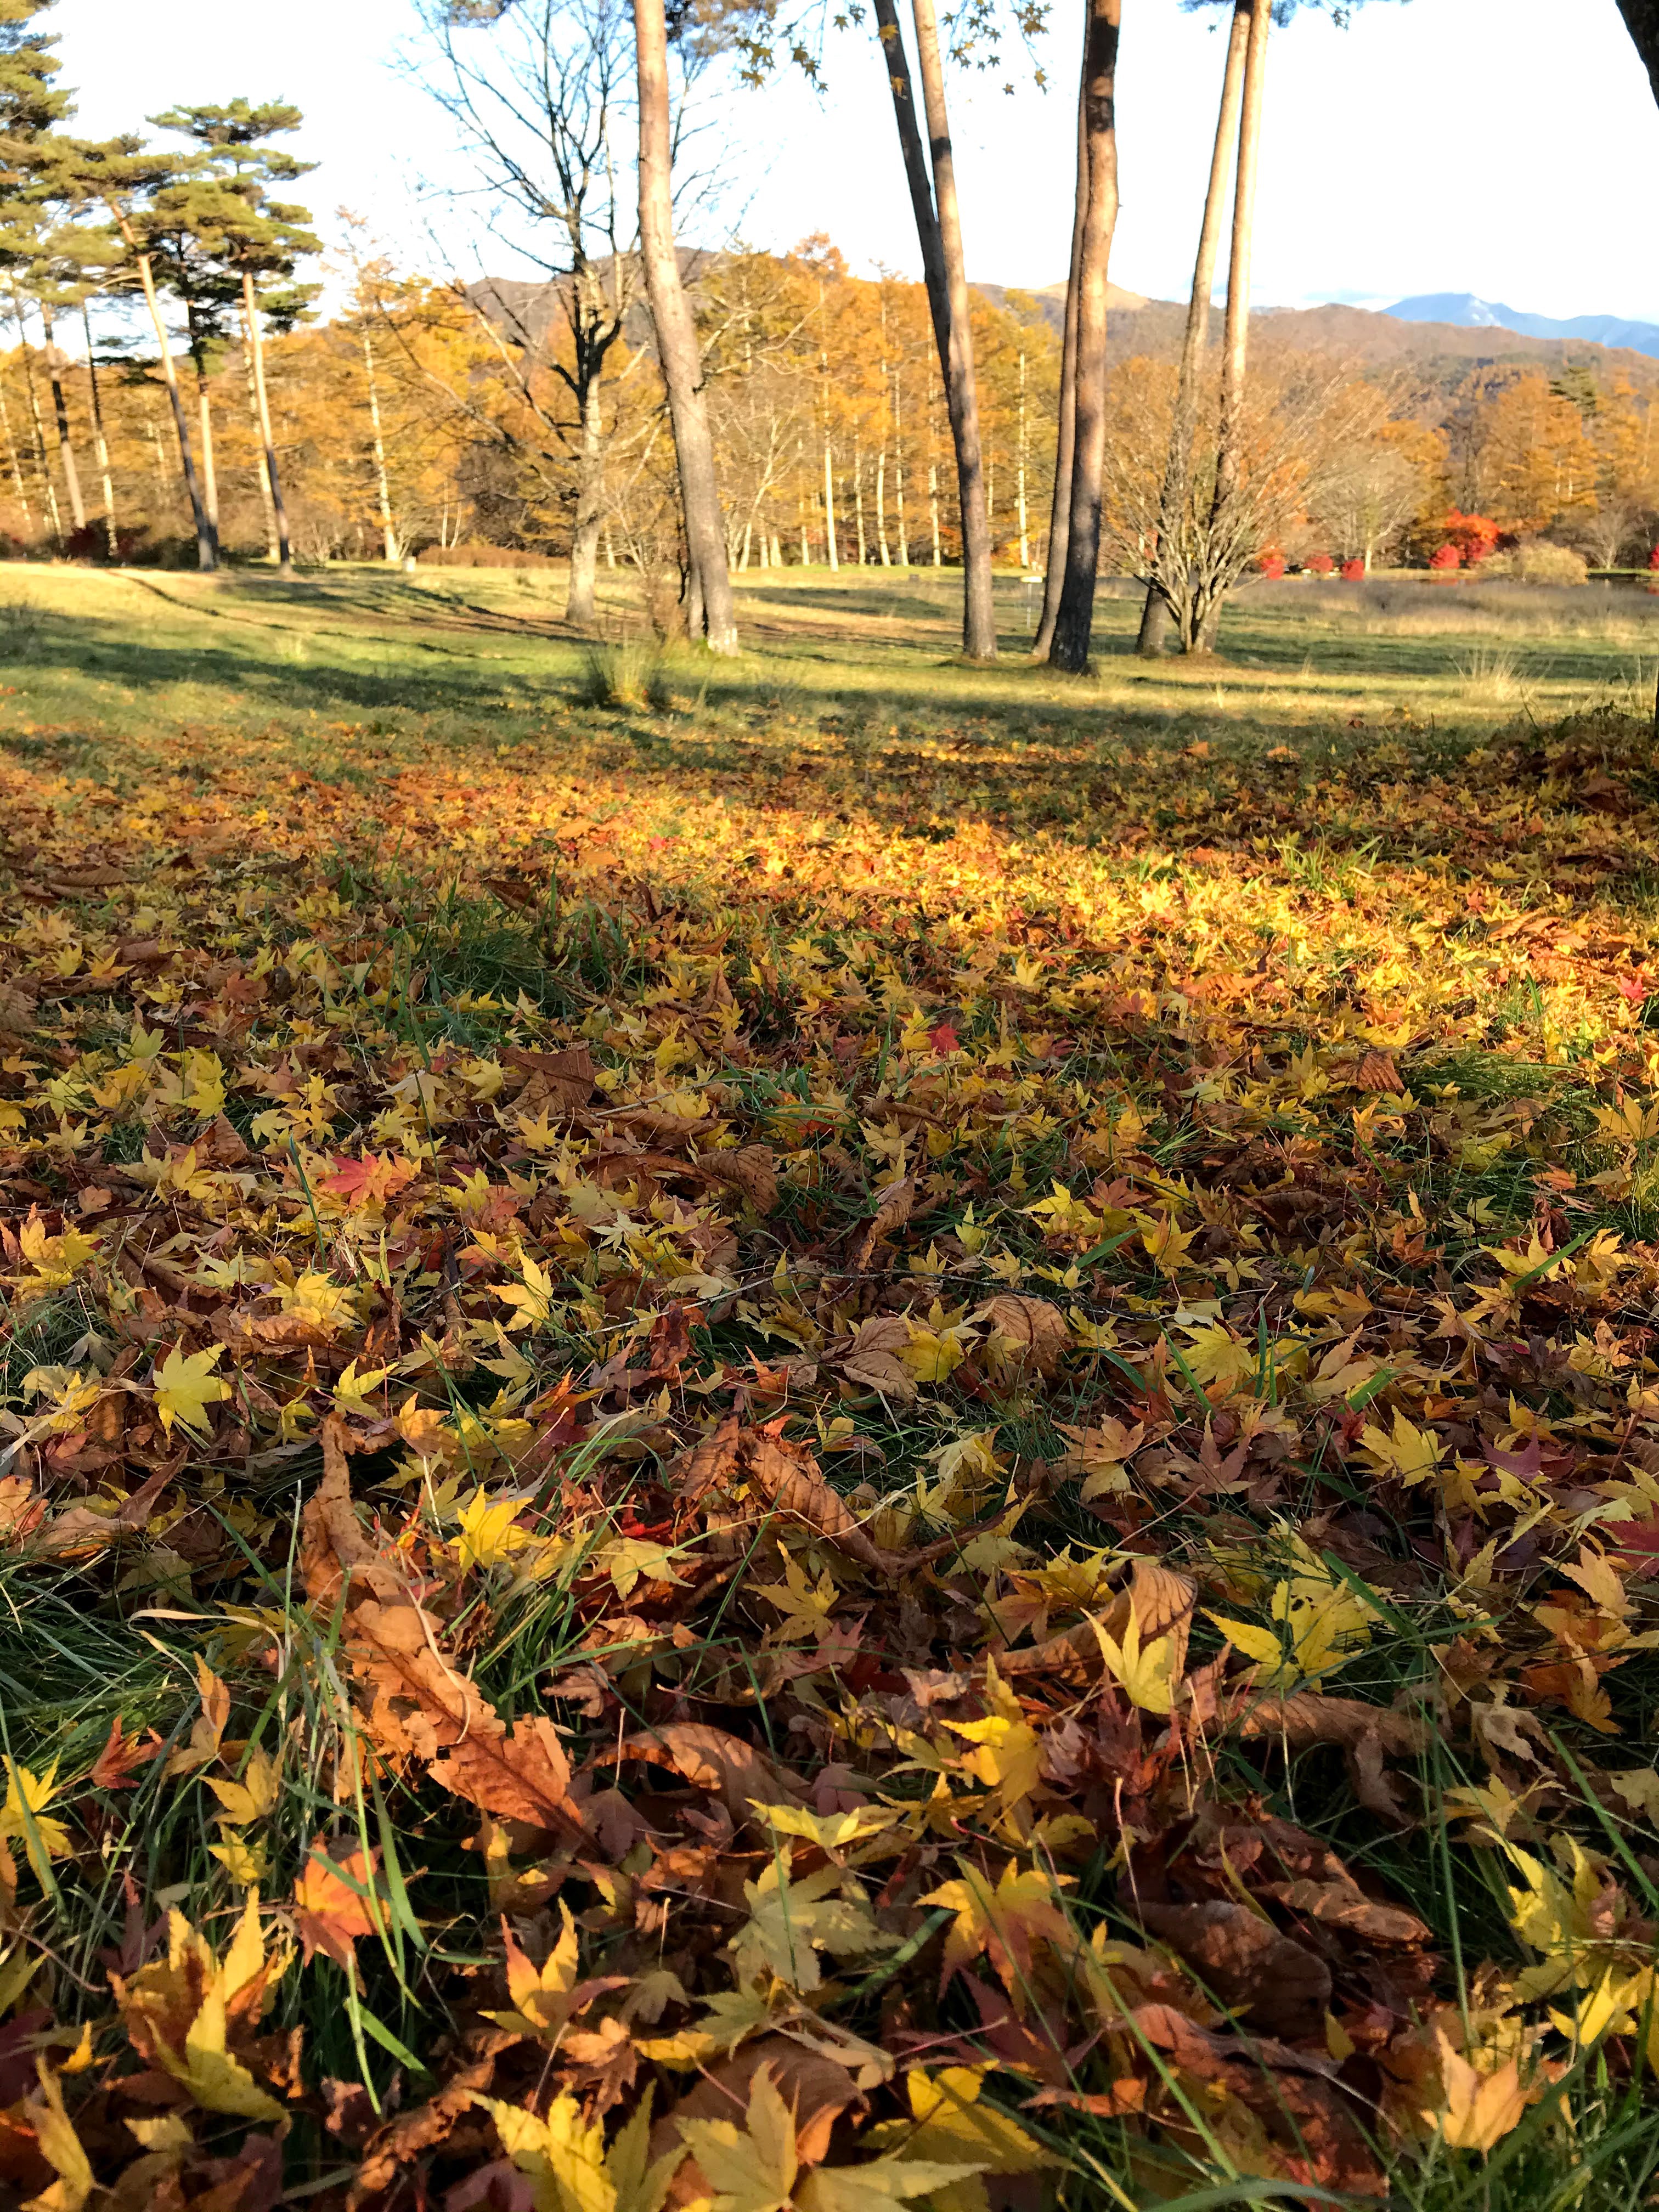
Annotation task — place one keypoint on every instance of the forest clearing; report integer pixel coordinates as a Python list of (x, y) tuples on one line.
[(901, 1415)]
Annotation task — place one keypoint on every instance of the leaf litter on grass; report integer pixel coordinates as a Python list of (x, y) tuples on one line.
[(810, 1510)]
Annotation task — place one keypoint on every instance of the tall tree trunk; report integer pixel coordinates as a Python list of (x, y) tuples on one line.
[(1059, 506), (1235, 344), (677, 333), (1019, 478), (382, 489), (206, 535), (579, 603), (60, 416), (14, 462), (897, 67), (881, 507), (979, 620), (1156, 619), (1074, 624), (251, 315), (267, 503), (38, 427), (1641, 22), (832, 550), (100, 441)]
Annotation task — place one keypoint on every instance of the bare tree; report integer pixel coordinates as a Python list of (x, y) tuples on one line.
[(1368, 497), (1295, 432), (1098, 188), (1156, 618), (538, 106)]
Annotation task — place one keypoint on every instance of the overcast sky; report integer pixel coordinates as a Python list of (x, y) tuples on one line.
[(1507, 148)]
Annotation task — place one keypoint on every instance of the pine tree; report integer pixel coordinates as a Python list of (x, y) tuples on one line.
[(255, 243)]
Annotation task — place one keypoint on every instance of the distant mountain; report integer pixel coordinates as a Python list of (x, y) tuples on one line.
[(1467, 313)]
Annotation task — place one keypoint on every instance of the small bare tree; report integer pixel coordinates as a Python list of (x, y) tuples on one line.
[(539, 92), (1292, 432)]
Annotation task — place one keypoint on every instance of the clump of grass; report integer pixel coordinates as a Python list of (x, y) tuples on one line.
[(623, 672), (1494, 670)]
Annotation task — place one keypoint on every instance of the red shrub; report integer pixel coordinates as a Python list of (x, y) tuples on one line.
[(1270, 561), (1445, 558), (1352, 571), (1474, 535), (1653, 558), (1320, 564)]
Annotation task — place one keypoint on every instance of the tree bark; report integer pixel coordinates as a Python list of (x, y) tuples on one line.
[(1156, 619), (100, 441), (897, 67), (1059, 506), (251, 311), (1074, 624), (16, 466), (1235, 344), (579, 605), (1641, 22), (38, 427), (60, 417), (979, 620), (383, 489), (676, 334), (206, 535)]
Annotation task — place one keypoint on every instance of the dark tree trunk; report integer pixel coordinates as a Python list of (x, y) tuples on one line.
[(1060, 511), (60, 414), (952, 334), (979, 620), (1641, 22), (676, 334), (1156, 619), (1074, 624)]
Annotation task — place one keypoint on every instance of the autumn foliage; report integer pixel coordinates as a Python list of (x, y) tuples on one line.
[(786, 1499)]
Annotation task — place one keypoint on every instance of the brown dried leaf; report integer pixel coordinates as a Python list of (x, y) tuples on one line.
[(1251, 1968), (748, 1170), (898, 1203), (873, 1358), (1308, 1719), (710, 1759), (1029, 1335)]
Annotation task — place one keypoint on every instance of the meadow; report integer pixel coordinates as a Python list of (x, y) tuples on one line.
[(840, 1431)]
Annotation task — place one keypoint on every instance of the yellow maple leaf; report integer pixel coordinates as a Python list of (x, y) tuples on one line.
[(186, 1387), (533, 1297), (750, 2168), (23, 1819), (1144, 1673), (56, 2140), (1480, 2109), (489, 1534)]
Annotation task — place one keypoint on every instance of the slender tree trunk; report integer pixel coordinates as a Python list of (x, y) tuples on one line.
[(14, 462), (979, 620), (60, 416), (833, 552), (251, 313), (207, 534), (1156, 619), (1060, 508), (47, 486), (677, 333), (100, 441), (579, 605), (1229, 465), (210, 478), (382, 489), (1074, 624), (933, 509), (881, 508), (898, 469), (1019, 482), (858, 499), (266, 502)]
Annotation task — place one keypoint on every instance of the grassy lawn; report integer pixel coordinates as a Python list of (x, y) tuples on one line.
[(915, 1404)]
